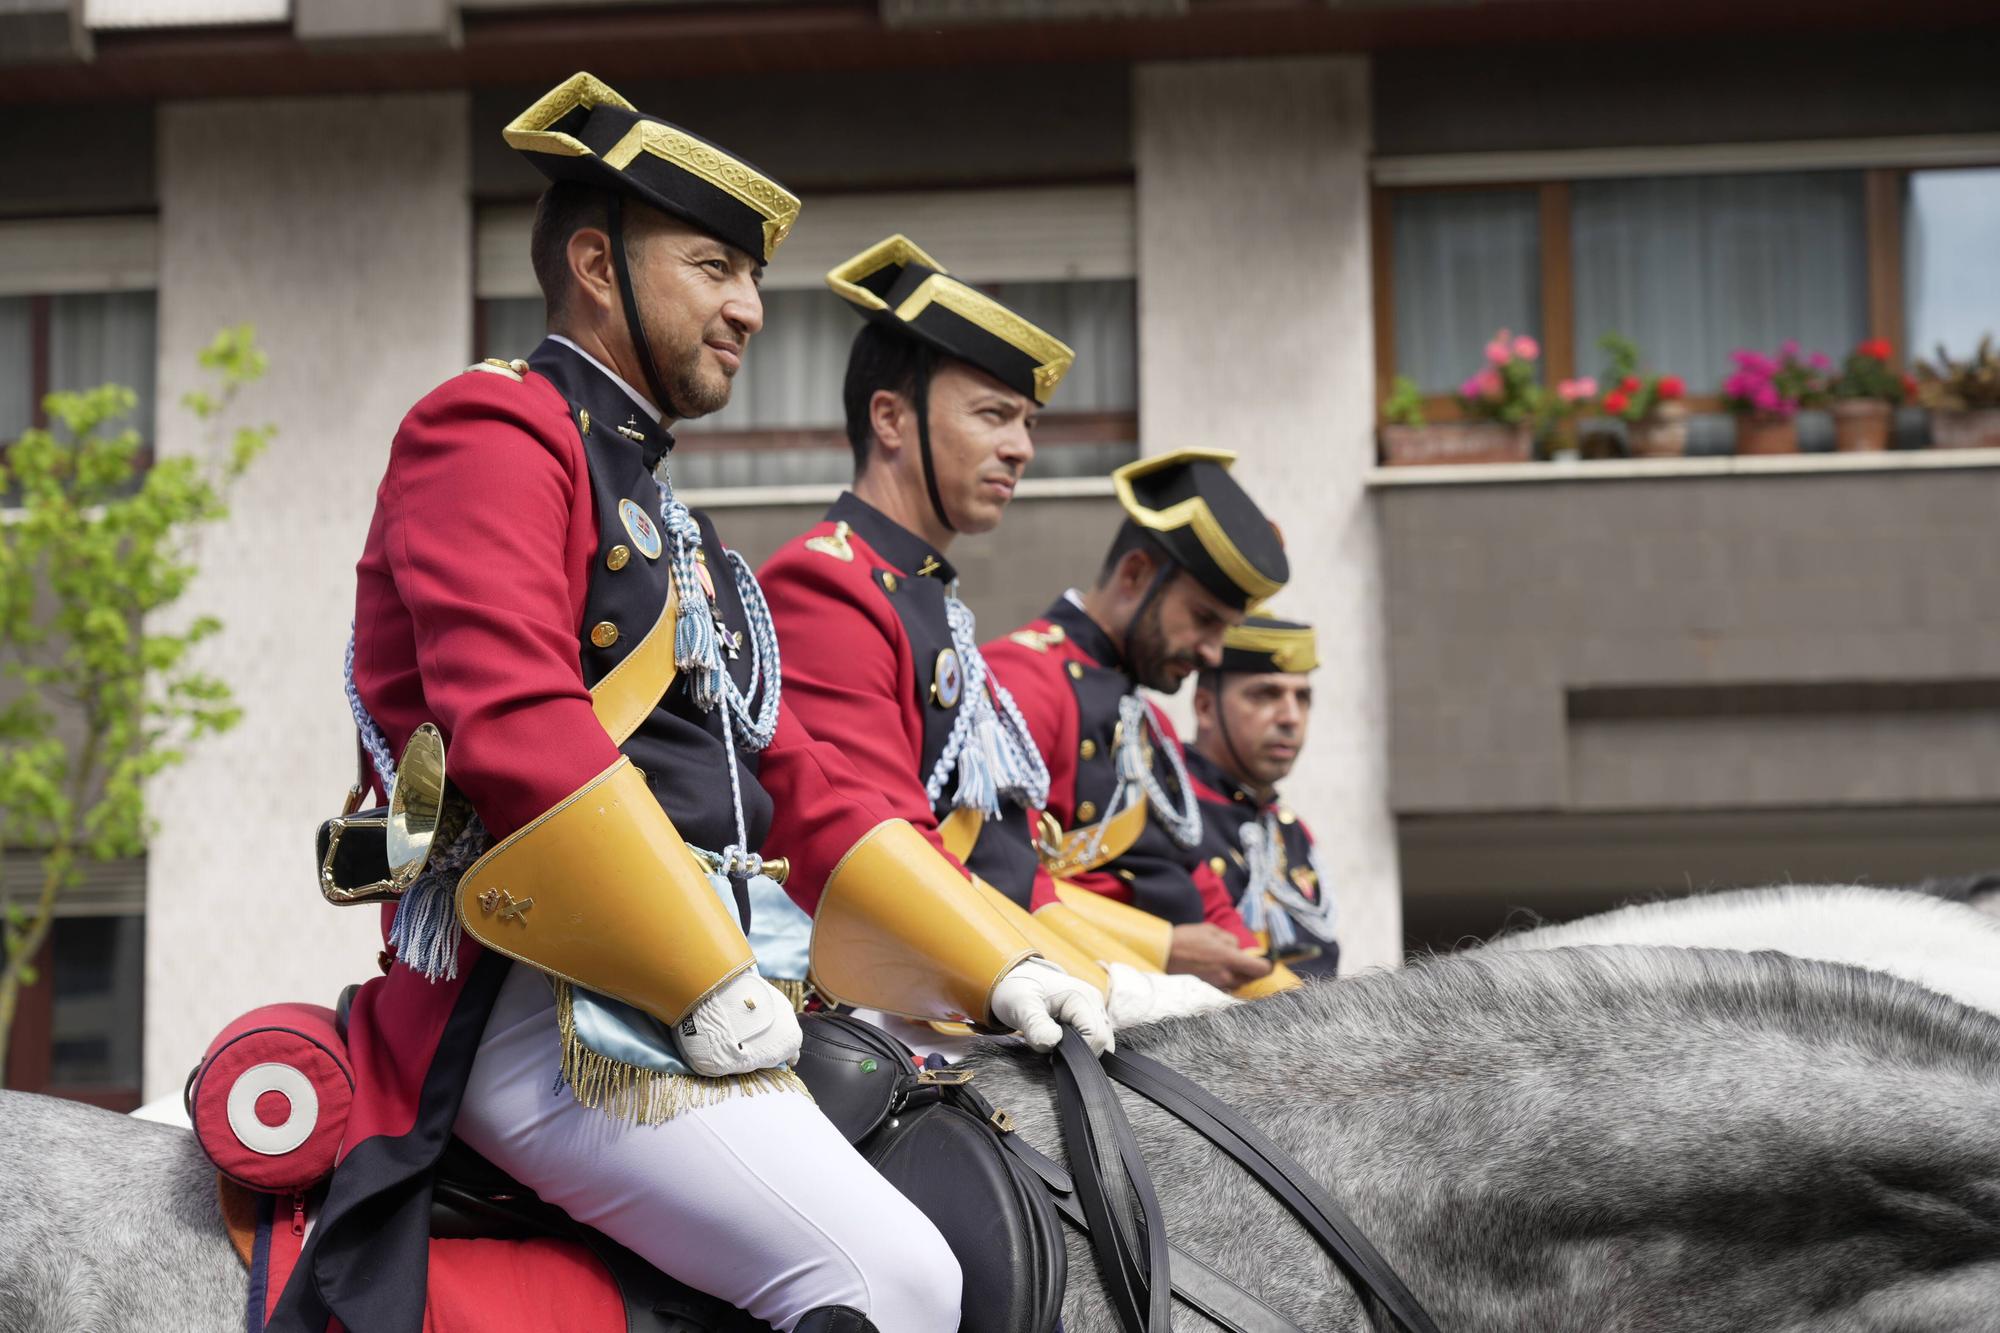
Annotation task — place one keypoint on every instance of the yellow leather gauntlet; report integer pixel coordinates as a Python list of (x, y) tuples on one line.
[(1150, 937), (899, 929), (600, 890)]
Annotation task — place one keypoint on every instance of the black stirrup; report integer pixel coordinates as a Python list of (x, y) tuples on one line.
[(834, 1319)]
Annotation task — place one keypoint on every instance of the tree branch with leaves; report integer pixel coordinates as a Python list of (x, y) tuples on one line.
[(98, 690)]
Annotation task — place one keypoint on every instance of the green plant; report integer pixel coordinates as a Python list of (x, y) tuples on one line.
[(1405, 404), (1955, 386), (105, 695), (1631, 394), (1775, 386), (1867, 374)]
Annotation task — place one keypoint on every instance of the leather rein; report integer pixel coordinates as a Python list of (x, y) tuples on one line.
[(1143, 1272)]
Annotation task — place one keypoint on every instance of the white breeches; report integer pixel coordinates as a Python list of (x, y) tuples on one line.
[(756, 1199)]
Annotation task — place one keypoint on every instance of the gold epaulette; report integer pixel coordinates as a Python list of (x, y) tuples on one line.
[(1039, 640), (833, 544), (515, 370)]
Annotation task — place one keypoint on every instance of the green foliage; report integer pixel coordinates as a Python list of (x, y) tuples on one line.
[(1961, 386), (102, 691), (1405, 404)]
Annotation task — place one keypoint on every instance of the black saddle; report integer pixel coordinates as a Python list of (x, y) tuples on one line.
[(925, 1130)]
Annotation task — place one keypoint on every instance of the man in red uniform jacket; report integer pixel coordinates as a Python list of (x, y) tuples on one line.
[(605, 676), (942, 391), (1192, 554)]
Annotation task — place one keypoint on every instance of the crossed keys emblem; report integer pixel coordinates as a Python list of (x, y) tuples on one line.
[(501, 901)]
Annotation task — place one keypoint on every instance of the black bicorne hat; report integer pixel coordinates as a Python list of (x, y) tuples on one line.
[(895, 284), (584, 131), (1264, 644), (1206, 522)]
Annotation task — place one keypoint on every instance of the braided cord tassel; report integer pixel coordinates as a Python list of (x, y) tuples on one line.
[(1182, 818), (372, 739), (990, 746), (1261, 905)]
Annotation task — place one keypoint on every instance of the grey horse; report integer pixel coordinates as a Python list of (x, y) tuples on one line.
[(1571, 1141)]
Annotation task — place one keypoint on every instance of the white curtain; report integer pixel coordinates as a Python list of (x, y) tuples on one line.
[(1691, 267), (1951, 236), (1465, 264), (106, 338), (17, 410)]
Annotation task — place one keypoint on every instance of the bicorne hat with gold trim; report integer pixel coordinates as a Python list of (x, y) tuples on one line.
[(1264, 644), (584, 131), (1207, 523), (893, 283)]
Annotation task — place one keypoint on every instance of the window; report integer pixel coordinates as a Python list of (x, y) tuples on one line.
[(77, 1030), (1467, 262), (1952, 264), (1063, 256), (1690, 266), (77, 309)]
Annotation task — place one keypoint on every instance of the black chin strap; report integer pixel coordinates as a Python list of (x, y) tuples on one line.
[(616, 219), (925, 364), (1228, 741)]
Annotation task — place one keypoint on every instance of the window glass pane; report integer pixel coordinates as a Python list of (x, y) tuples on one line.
[(1691, 267), (98, 966), (1951, 233), (1466, 263), (1100, 321), (17, 369), (105, 338), (515, 326)]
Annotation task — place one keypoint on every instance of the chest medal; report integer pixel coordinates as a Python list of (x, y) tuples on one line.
[(645, 533), (947, 679)]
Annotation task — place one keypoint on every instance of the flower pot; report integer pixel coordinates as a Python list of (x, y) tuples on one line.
[(1979, 429), (1457, 442), (1758, 433), (1861, 425), (1661, 433)]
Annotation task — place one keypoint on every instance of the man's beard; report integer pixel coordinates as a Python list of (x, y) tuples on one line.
[(1146, 655), (693, 394)]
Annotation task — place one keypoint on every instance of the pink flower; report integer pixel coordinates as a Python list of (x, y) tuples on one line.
[(1526, 348), (1790, 350), (1576, 390), (1488, 384), (1819, 361), (1497, 353), (1469, 389), (1765, 398)]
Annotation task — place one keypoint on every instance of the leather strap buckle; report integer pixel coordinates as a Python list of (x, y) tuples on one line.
[(945, 1078), (1001, 1119)]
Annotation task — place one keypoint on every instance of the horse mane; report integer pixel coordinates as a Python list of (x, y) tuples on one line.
[(1512, 1005)]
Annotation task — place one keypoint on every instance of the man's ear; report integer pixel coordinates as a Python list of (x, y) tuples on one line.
[(889, 416), (1135, 573), (1206, 702), (592, 276)]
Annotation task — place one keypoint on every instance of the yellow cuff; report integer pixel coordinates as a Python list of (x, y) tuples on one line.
[(1064, 921), (1280, 978), (600, 890), (1048, 942), (1149, 936), (900, 930)]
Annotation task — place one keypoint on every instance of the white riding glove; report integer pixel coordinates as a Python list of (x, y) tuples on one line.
[(746, 1024), (1146, 997), (1038, 1000)]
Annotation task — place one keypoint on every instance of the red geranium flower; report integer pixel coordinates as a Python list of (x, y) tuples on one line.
[(1630, 384), (1671, 387), (1614, 402), (1878, 349), (1910, 388)]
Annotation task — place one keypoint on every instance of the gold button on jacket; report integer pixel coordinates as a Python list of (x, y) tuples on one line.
[(604, 634), (617, 557)]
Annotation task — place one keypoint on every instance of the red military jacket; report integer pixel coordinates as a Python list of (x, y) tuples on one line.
[(493, 562), (870, 667), (1068, 678)]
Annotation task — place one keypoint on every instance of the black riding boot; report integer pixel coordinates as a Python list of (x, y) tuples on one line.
[(834, 1319)]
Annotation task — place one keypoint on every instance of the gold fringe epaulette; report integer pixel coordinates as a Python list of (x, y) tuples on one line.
[(649, 1096)]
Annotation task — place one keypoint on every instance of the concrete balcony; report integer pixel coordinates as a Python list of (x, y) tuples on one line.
[(1610, 679)]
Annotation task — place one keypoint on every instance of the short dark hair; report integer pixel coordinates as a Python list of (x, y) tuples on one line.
[(564, 209), (1208, 678), (1131, 537), (878, 359)]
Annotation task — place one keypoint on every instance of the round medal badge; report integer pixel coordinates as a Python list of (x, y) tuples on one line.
[(947, 679), (645, 533)]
